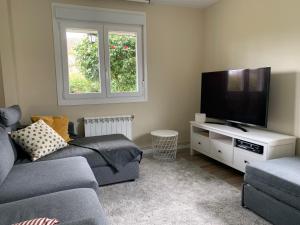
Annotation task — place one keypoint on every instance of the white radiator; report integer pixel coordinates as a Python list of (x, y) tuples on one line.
[(96, 126)]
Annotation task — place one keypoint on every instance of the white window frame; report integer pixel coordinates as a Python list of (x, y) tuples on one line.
[(139, 61), (100, 20), (84, 26)]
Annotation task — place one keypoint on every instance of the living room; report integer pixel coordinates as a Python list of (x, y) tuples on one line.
[(176, 41)]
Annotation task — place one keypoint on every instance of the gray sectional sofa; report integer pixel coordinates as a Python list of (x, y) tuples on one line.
[(126, 154), (65, 189), (272, 190), (62, 185)]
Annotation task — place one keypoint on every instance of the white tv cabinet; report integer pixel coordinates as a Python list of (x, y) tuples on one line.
[(218, 142)]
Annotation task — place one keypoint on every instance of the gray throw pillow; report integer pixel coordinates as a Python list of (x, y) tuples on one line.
[(7, 155), (10, 117)]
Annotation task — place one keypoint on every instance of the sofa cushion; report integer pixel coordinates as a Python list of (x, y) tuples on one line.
[(10, 116), (7, 155), (66, 206), (38, 139), (274, 192), (281, 173), (107, 142), (38, 178), (278, 177), (105, 175), (116, 149), (94, 159)]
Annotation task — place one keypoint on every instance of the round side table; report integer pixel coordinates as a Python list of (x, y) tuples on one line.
[(164, 144)]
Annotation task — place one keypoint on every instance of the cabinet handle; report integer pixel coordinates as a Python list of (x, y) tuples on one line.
[(246, 162), (199, 143), (219, 151)]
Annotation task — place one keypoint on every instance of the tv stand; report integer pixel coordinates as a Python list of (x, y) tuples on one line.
[(237, 148), (231, 124)]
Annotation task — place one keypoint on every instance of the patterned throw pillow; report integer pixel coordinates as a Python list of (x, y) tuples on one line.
[(38, 139), (39, 221)]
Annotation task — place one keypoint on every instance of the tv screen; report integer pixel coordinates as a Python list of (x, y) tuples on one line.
[(237, 95)]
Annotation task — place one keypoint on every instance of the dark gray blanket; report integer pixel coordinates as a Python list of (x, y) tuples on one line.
[(117, 150)]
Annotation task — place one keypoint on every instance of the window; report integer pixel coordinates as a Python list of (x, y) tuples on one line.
[(83, 61), (123, 51), (99, 60)]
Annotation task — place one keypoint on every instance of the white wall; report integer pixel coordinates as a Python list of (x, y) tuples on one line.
[(2, 97), (236, 34), (256, 33), (174, 43)]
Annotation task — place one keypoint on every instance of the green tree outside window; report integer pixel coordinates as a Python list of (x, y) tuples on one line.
[(122, 64)]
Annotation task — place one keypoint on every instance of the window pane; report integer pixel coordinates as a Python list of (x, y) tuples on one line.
[(123, 66), (83, 61)]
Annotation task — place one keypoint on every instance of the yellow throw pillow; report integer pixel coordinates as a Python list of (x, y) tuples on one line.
[(61, 126), (58, 123), (47, 119)]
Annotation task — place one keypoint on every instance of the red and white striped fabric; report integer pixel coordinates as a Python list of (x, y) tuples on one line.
[(39, 221)]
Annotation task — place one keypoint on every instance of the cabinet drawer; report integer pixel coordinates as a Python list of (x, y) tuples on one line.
[(222, 151), (200, 143), (241, 158)]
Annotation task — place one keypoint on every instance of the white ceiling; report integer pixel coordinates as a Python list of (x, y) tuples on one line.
[(189, 3)]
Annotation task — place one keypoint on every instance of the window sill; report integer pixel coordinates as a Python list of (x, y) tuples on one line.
[(70, 102)]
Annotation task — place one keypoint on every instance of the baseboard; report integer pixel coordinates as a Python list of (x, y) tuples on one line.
[(148, 150)]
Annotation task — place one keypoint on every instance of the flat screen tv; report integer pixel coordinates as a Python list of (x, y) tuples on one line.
[(237, 96)]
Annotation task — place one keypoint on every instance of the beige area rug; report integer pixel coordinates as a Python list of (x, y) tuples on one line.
[(177, 193)]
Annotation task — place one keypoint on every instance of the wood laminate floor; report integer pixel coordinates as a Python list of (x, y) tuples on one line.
[(226, 173)]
